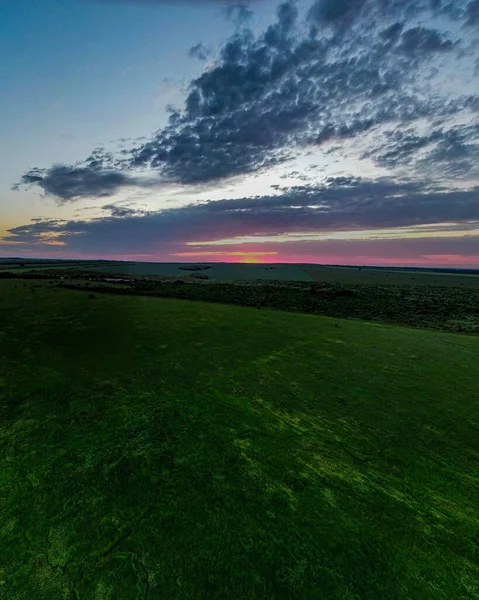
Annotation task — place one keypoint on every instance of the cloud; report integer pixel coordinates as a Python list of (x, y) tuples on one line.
[(346, 13), (448, 151), (67, 183), (98, 176), (422, 41), (199, 51), (338, 204), (268, 98), (472, 13), (275, 93), (336, 11), (122, 211), (239, 13)]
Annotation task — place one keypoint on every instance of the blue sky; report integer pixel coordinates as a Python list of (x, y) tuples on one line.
[(326, 131), (82, 72)]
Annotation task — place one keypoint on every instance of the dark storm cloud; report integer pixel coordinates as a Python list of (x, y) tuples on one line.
[(270, 96), (343, 203)]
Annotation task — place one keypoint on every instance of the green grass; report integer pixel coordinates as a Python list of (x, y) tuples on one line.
[(220, 271), (445, 308), (165, 449), (393, 277), (29, 267)]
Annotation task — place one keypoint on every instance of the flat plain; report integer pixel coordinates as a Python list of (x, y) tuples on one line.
[(162, 448), (268, 272)]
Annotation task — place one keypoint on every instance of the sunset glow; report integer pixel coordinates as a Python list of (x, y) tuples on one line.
[(303, 130)]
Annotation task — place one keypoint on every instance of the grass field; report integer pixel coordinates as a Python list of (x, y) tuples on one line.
[(167, 449), (221, 271), (298, 272), (393, 277), (265, 272), (17, 267), (445, 308)]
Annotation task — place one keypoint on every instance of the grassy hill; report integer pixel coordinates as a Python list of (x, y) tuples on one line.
[(166, 449)]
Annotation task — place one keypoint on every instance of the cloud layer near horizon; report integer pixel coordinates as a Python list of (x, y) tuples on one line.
[(339, 205)]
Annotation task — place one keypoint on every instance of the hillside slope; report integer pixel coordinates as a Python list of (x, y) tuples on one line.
[(168, 449)]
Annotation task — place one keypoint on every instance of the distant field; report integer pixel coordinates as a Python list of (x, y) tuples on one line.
[(367, 276), (297, 272), (267, 272), (225, 271), (18, 267), (167, 449), (443, 307)]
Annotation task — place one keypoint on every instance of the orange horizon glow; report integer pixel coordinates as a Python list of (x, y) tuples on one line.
[(243, 257), (259, 257), (223, 253)]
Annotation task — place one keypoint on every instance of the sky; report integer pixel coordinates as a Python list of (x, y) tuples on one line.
[(310, 131)]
